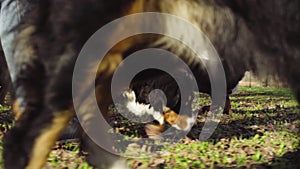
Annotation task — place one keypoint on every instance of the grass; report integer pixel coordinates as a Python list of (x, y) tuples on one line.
[(234, 152), (262, 132)]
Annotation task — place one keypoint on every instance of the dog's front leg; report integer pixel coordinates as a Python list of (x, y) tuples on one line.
[(38, 125)]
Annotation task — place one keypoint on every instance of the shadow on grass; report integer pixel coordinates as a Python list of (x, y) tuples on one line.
[(289, 160), (256, 122), (250, 124)]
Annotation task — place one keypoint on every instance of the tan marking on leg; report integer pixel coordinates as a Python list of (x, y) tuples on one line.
[(109, 64), (46, 140), (17, 110), (154, 131)]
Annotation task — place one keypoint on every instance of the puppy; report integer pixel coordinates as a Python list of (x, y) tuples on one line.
[(164, 117), (248, 35)]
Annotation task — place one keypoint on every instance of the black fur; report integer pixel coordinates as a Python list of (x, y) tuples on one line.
[(5, 82), (249, 35)]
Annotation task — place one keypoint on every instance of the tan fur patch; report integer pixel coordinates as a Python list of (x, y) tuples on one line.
[(136, 7), (170, 117), (182, 121), (154, 130), (46, 140), (16, 109), (110, 63)]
